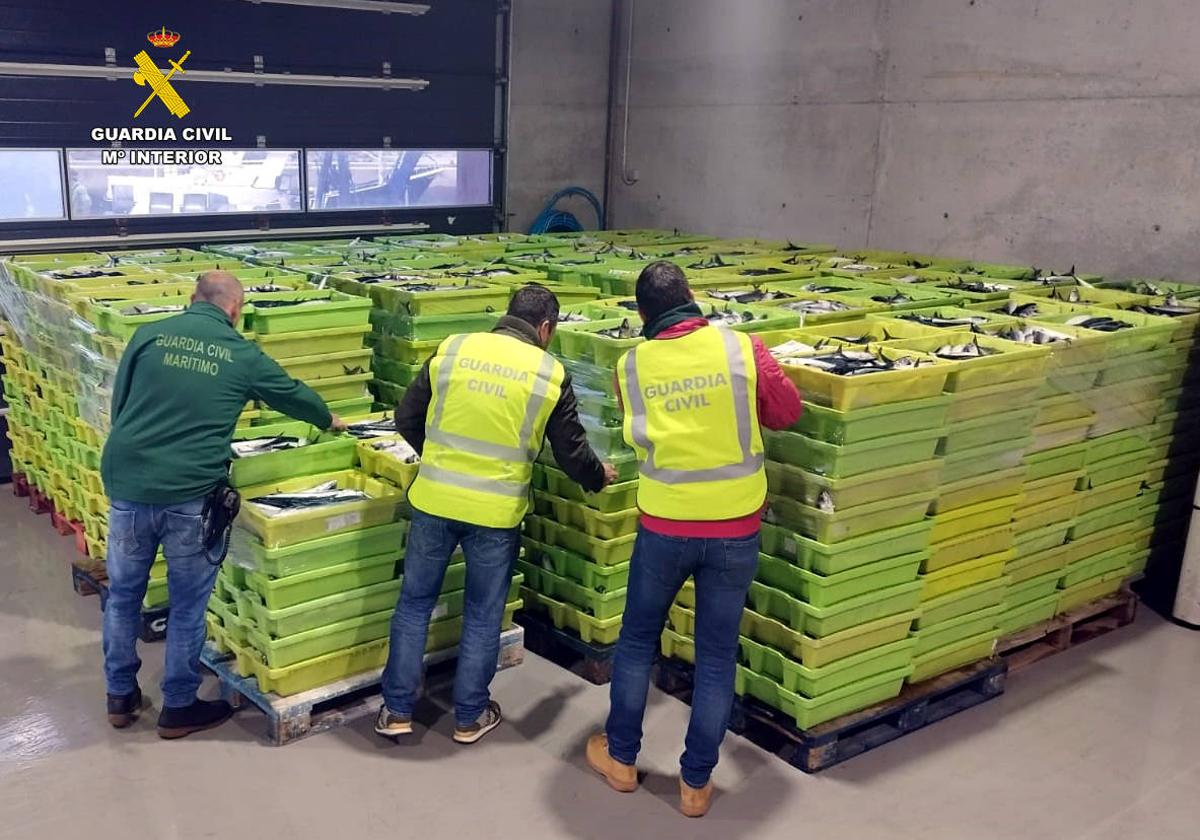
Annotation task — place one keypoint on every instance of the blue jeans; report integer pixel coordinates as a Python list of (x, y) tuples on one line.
[(723, 570), (490, 555), (135, 532)]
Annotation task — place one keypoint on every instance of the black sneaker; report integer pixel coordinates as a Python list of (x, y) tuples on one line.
[(390, 724), (484, 724), (123, 708), (202, 714)]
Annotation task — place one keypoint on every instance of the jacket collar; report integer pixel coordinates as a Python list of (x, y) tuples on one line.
[(209, 310), (518, 329)]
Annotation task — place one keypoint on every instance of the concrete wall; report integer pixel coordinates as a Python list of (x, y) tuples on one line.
[(1045, 131), (559, 103)]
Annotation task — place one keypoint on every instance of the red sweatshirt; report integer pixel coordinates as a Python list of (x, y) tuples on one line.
[(778, 407)]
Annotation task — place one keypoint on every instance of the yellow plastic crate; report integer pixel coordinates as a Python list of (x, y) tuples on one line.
[(290, 528), (849, 392), (962, 575)]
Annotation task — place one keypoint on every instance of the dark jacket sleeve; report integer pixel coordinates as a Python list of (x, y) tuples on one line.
[(412, 410), (272, 385), (570, 444)]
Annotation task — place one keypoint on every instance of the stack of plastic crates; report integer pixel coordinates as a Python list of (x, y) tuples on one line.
[(577, 546), (975, 546), (306, 596), (827, 630)]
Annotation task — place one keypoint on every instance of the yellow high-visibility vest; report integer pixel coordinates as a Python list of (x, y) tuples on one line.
[(492, 398), (691, 415)]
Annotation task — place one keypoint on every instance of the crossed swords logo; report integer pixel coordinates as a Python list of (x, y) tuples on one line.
[(160, 85)]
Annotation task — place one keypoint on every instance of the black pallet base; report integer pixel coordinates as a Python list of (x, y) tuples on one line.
[(154, 622), (562, 647), (835, 741)]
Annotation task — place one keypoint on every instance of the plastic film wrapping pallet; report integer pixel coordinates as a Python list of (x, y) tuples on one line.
[(338, 703), (92, 581), (827, 744), (1082, 624)]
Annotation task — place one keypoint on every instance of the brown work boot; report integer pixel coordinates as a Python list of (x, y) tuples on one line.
[(620, 777), (694, 802)]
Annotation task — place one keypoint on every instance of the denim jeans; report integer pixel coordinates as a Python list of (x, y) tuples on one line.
[(490, 555), (135, 532), (723, 570)]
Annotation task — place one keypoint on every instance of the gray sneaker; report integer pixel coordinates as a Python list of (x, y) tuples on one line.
[(484, 724), (390, 724)]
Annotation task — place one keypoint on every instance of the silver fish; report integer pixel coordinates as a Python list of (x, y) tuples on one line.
[(151, 309), (263, 445), (825, 502)]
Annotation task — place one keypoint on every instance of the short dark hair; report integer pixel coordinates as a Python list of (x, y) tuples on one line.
[(661, 286), (534, 304)]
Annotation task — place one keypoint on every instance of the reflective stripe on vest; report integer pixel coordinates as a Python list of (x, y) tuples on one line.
[(751, 462), (525, 449), (474, 482)]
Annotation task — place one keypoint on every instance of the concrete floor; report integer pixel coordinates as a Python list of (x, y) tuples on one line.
[(1097, 744)]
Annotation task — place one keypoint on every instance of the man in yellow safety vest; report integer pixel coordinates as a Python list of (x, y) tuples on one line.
[(478, 413), (695, 398)]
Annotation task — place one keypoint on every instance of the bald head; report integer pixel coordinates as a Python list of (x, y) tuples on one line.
[(223, 290)]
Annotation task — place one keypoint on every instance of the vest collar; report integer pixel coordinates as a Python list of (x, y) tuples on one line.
[(518, 329)]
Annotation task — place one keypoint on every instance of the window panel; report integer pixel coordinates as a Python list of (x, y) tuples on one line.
[(31, 185), (361, 179), (246, 181)]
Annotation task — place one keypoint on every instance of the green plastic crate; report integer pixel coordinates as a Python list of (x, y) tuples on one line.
[(326, 365), (600, 605), (1089, 591), (310, 615), (956, 630), (1008, 362), (1031, 588), (809, 712), (278, 593), (248, 552), (850, 427), (956, 655), (1023, 616), (320, 641), (610, 552), (1057, 461), (990, 400), (323, 454), (1107, 517), (313, 342), (334, 310), (616, 497), (981, 460), (855, 458), (564, 616), (828, 590), (846, 393), (831, 559), (816, 682), (577, 568), (975, 490), (1033, 517), (961, 602), (433, 327), (987, 431), (881, 603), (1041, 539), (847, 524), (1061, 408), (1090, 568), (971, 546), (1063, 433), (943, 581), (812, 652), (604, 526), (381, 507), (1110, 494), (1120, 468), (973, 518), (866, 488), (337, 388), (406, 350)]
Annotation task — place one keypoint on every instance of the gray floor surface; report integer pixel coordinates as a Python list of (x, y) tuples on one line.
[(1100, 743)]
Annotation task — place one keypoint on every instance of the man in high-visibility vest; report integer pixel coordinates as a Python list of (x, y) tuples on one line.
[(695, 398), (478, 413)]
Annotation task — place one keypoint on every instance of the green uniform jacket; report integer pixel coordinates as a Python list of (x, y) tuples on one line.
[(181, 385)]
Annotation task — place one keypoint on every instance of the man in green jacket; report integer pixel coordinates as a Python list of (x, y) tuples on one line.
[(181, 385)]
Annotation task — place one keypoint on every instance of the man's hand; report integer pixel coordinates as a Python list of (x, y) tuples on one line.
[(337, 424), (610, 474)]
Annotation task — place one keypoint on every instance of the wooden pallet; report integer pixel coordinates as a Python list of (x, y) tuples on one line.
[(20, 485), (831, 743), (562, 647), (339, 703), (1082, 624), (89, 579)]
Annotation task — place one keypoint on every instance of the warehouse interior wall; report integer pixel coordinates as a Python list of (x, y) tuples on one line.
[(1052, 132), (559, 103)]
